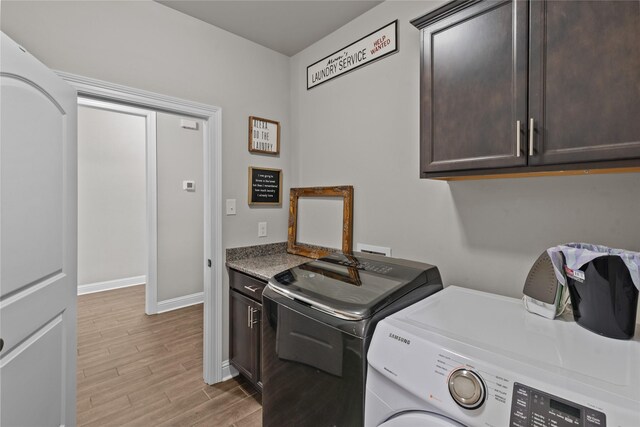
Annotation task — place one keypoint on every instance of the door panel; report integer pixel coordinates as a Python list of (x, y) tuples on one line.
[(38, 251), (28, 377), (31, 184), (585, 81), (474, 88)]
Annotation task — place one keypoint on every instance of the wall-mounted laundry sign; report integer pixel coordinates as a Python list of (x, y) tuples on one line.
[(265, 186), (374, 46)]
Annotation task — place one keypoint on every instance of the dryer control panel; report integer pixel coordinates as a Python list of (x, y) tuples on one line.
[(531, 407)]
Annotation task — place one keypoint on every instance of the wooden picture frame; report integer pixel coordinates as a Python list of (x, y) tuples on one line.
[(346, 193), (261, 136), (261, 186)]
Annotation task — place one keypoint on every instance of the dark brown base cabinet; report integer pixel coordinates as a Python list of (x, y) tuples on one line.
[(529, 86), (245, 311)]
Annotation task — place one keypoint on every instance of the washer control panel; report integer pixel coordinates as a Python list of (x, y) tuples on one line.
[(531, 407)]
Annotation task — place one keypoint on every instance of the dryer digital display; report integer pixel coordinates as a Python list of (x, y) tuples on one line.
[(531, 407)]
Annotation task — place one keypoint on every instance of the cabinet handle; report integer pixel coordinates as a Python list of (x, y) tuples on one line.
[(251, 288), (531, 136), (517, 138), (248, 317), (254, 321)]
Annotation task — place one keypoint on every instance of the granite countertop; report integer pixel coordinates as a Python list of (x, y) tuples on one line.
[(263, 261)]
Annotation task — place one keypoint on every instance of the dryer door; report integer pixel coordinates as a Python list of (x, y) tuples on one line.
[(414, 419)]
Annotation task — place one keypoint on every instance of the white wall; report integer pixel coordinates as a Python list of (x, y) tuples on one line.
[(180, 213), (145, 45), (111, 196), (363, 129), (319, 221)]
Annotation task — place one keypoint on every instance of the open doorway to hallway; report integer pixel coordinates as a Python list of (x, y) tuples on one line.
[(141, 203), (215, 369), (141, 180), (113, 229)]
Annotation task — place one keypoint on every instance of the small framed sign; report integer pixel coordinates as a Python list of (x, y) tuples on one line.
[(265, 186), (264, 136)]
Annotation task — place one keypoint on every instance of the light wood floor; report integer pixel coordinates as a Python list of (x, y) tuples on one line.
[(141, 370)]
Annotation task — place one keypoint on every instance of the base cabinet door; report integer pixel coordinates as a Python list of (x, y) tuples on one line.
[(244, 346), (474, 88), (584, 83)]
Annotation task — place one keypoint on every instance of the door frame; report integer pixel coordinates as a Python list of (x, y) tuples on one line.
[(151, 205), (212, 142)]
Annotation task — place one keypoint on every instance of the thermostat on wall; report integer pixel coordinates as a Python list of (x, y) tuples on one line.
[(189, 185)]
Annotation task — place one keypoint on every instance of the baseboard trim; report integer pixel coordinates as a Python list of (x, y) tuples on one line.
[(180, 302), (228, 371), (91, 288)]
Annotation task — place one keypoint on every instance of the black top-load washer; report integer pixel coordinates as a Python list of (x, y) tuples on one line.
[(317, 322)]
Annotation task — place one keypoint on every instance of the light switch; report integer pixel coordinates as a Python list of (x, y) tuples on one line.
[(231, 206), (189, 185), (262, 229)]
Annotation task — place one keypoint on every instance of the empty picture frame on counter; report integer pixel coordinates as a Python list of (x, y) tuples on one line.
[(265, 186), (264, 136), (346, 194)]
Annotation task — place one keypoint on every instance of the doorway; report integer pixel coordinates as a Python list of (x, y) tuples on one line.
[(116, 197), (214, 369)]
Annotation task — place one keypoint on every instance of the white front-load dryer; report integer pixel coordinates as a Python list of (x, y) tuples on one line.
[(469, 358)]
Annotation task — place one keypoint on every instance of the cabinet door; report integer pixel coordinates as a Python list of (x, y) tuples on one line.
[(474, 88), (242, 343), (585, 81)]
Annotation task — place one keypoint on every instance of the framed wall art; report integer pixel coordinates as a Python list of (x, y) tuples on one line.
[(264, 136), (265, 186)]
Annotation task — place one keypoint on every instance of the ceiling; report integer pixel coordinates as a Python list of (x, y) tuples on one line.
[(284, 26)]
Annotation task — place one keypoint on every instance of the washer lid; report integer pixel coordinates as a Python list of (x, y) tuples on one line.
[(351, 287), (413, 419)]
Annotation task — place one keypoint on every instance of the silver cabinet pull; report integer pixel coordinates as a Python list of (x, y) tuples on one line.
[(254, 321), (517, 138), (252, 288), (531, 136), (250, 320)]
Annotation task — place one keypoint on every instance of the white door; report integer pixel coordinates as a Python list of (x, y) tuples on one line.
[(38, 243)]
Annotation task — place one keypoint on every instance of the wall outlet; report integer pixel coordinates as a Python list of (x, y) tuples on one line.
[(262, 229), (231, 206)]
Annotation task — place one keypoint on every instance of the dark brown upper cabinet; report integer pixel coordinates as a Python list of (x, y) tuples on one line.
[(527, 87), (474, 88), (584, 81)]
